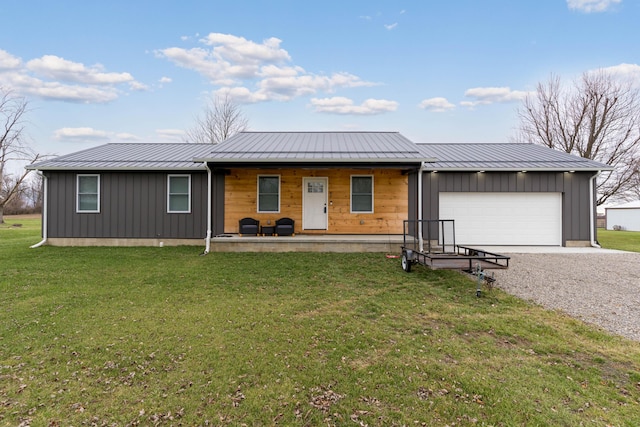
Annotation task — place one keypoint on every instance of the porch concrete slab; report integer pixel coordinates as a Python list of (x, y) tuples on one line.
[(308, 243)]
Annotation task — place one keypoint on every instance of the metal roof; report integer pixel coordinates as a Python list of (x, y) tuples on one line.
[(130, 156), (630, 205), (315, 147), (504, 157), (250, 148)]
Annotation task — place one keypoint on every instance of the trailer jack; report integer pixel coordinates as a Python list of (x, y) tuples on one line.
[(483, 277)]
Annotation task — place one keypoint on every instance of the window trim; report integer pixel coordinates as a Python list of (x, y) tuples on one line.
[(258, 193), (169, 194), (351, 194), (78, 194)]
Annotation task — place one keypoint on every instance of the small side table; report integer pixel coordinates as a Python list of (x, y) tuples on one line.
[(267, 230)]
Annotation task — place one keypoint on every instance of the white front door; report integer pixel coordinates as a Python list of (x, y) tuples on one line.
[(314, 203)]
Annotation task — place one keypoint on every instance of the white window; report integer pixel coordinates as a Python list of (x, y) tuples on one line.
[(179, 194), (88, 193), (268, 193), (362, 193)]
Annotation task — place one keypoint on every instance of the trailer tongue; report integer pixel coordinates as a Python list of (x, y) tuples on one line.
[(432, 243)]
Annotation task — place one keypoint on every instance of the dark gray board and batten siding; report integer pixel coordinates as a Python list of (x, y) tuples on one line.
[(132, 205), (573, 186)]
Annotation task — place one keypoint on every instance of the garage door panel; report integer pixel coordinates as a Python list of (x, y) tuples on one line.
[(504, 218)]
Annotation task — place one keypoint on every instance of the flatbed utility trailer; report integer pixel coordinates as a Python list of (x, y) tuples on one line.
[(438, 250)]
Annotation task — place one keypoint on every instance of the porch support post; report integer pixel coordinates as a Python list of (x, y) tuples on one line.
[(45, 208), (209, 198), (420, 239), (593, 211)]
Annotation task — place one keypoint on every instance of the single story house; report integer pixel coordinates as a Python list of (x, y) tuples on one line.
[(329, 183), (624, 217)]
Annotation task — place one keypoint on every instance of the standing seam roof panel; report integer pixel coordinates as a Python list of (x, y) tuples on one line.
[(509, 155)]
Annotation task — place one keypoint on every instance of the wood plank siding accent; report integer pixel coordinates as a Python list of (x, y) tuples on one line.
[(390, 199), (132, 205), (573, 186)]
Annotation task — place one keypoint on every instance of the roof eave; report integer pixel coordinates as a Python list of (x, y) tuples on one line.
[(117, 169), (307, 161), (523, 169)]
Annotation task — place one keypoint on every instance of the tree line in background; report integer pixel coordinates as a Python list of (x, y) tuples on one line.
[(27, 198)]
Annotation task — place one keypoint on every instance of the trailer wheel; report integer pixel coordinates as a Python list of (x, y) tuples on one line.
[(406, 264)]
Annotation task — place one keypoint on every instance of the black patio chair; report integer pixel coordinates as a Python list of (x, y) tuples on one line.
[(248, 227), (285, 227)]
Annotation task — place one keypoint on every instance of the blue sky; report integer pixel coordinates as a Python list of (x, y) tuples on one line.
[(436, 71)]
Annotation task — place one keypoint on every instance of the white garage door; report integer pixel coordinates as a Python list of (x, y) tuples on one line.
[(504, 218)]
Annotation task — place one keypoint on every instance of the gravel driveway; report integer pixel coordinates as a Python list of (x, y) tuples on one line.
[(598, 286)]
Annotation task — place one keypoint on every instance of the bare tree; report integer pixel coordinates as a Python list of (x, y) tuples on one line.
[(17, 203), (635, 183), (34, 192), (597, 118), (13, 147), (221, 119)]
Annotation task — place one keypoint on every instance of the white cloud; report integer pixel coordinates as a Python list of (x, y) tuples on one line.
[(8, 61), (230, 58), (492, 95), (436, 105), (589, 6), (391, 26), (57, 91), (243, 95), (163, 81), (201, 60), (67, 93), (629, 72), (242, 51), (57, 68), (137, 86), (170, 134), (54, 78), (255, 72), (292, 83), (88, 134), (289, 87), (276, 71), (81, 134), (342, 105), (127, 137)]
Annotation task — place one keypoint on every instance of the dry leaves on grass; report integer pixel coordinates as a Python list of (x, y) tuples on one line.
[(237, 397), (323, 397)]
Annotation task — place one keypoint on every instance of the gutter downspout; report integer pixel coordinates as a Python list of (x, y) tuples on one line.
[(45, 184), (420, 238), (208, 238), (592, 239)]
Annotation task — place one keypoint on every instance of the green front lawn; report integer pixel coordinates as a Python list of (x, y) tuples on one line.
[(621, 240), (162, 336)]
